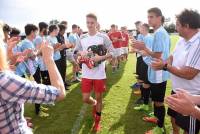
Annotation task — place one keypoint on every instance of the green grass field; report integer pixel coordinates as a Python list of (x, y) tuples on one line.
[(71, 116)]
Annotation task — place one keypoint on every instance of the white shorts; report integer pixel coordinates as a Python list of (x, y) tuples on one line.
[(117, 52), (124, 50)]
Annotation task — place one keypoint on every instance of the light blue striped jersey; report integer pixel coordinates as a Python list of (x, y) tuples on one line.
[(148, 40), (53, 41), (161, 43)]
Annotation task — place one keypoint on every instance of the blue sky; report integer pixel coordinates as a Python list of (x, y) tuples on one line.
[(122, 12)]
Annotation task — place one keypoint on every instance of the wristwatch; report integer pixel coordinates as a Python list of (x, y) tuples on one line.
[(165, 67)]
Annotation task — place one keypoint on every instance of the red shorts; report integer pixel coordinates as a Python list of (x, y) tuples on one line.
[(87, 85)]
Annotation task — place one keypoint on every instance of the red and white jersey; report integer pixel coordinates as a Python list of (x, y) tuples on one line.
[(126, 40), (116, 35), (86, 41)]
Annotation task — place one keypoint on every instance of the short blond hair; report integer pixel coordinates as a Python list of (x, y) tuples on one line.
[(91, 15)]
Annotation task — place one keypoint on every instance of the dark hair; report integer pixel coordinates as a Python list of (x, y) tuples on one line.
[(42, 25), (163, 19), (112, 26), (52, 27), (14, 32), (156, 11), (91, 15), (62, 27), (189, 17), (30, 28), (137, 22), (6, 28), (146, 26), (63, 22), (74, 26)]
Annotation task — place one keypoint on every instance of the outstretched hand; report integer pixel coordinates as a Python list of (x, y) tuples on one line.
[(181, 102)]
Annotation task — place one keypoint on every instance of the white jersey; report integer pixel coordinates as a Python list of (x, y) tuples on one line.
[(86, 41), (187, 53)]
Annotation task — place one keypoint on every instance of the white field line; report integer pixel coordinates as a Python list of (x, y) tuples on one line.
[(76, 126)]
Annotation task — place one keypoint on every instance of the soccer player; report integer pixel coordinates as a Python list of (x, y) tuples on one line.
[(148, 40), (73, 38), (125, 42), (158, 79), (94, 78), (116, 38), (138, 84), (69, 53), (31, 63), (43, 27), (53, 32), (65, 45)]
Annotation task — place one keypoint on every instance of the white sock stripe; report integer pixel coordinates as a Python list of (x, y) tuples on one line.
[(194, 124), (190, 126)]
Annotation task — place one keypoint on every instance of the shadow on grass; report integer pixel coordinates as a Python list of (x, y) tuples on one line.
[(131, 120), (113, 78)]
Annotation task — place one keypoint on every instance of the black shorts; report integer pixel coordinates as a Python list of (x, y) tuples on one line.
[(138, 63), (58, 65), (187, 123), (144, 72), (37, 76), (158, 91), (45, 77)]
